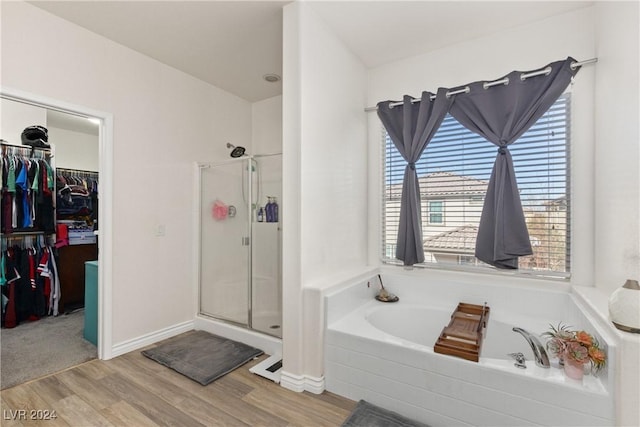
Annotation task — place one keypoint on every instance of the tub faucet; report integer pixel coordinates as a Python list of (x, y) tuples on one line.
[(539, 353)]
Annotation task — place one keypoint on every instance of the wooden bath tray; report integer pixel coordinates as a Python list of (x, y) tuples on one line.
[(463, 336)]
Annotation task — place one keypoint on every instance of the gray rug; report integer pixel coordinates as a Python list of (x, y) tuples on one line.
[(367, 415), (202, 356), (35, 349)]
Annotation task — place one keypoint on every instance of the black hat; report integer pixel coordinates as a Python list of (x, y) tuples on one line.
[(35, 136)]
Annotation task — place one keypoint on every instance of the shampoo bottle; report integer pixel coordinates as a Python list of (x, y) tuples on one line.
[(274, 210), (268, 210)]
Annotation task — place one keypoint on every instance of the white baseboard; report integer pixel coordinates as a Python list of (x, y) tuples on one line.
[(300, 383), (151, 338)]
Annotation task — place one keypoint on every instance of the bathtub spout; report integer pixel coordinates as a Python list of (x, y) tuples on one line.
[(539, 353)]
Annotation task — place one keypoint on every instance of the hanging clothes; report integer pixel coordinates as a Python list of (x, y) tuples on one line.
[(77, 198), (27, 190), (31, 288), (77, 195)]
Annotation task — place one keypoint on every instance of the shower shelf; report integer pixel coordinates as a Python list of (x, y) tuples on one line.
[(463, 336)]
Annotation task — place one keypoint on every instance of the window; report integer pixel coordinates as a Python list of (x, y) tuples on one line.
[(453, 174), (436, 213)]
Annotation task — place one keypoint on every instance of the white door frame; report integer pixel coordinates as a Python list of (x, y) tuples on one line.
[(105, 213)]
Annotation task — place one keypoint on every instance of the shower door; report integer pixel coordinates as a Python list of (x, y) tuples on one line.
[(240, 256), (225, 255)]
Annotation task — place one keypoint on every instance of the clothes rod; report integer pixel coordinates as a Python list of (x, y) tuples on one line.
[(67, 170), (487, 85)]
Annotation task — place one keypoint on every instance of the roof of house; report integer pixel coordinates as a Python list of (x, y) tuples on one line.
[(458, 240), (560, 201), (439, 184)]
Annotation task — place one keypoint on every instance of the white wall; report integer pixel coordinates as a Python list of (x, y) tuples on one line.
[(523, 48), (266, 126), (325, 172), (617, 164), (164, 120), (75, 150), (617, 177), (333, 153)]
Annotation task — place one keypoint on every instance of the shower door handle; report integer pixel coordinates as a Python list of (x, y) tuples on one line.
[(245, 241)]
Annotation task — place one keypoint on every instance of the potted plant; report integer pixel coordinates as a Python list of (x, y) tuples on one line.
[(575, 349)]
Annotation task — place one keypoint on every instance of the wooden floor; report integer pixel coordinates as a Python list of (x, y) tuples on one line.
[(132, 390)]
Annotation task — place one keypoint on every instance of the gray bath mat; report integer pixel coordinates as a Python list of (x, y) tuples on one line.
[(367, 415), (202, 356)]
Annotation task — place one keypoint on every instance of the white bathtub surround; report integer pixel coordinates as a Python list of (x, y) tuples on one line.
[(313, 325), (383, 353), (594, 301)]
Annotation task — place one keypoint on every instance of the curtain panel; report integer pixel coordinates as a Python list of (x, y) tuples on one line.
[(411, 126), (502, 114)]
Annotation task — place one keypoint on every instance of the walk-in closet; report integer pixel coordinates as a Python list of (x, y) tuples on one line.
[(49, 258)]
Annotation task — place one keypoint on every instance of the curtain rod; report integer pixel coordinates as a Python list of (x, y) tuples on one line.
[(487, 85)]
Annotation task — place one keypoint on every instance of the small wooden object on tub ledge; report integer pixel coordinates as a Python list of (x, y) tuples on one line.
[(463, 336)]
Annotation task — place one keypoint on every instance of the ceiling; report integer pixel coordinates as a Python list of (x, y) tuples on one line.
[(230, 44), (395, 30), (233, 44)]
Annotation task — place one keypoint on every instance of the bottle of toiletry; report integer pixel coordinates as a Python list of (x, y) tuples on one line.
[(260, 215), (267, 210), (274, 210)]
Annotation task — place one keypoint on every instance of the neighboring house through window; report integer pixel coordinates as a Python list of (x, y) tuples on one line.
[(436, 212)]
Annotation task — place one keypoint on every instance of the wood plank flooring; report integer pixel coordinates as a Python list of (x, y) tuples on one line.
[(132, 390)]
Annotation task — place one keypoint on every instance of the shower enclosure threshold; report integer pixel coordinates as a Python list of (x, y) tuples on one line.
[(267, 343)]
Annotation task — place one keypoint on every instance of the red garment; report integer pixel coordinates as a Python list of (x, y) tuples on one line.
[(32, 269), (62, 235)]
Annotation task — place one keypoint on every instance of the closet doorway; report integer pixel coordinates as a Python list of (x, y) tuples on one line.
[(60, 323)]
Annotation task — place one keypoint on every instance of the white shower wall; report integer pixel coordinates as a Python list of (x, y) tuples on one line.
[(225, 276), (266, 138)]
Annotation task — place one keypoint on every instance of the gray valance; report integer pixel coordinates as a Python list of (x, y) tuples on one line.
[(411, 126), (502, 114)]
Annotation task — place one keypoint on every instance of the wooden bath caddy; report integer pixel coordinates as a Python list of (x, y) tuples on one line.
[(463, 336)]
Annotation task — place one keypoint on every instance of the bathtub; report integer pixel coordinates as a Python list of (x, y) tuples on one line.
[(383, 353)]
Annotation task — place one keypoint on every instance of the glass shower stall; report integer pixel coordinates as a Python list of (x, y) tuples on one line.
[(240, 255)]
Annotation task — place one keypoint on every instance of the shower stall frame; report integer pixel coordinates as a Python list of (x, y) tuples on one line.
[(210, 323)]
